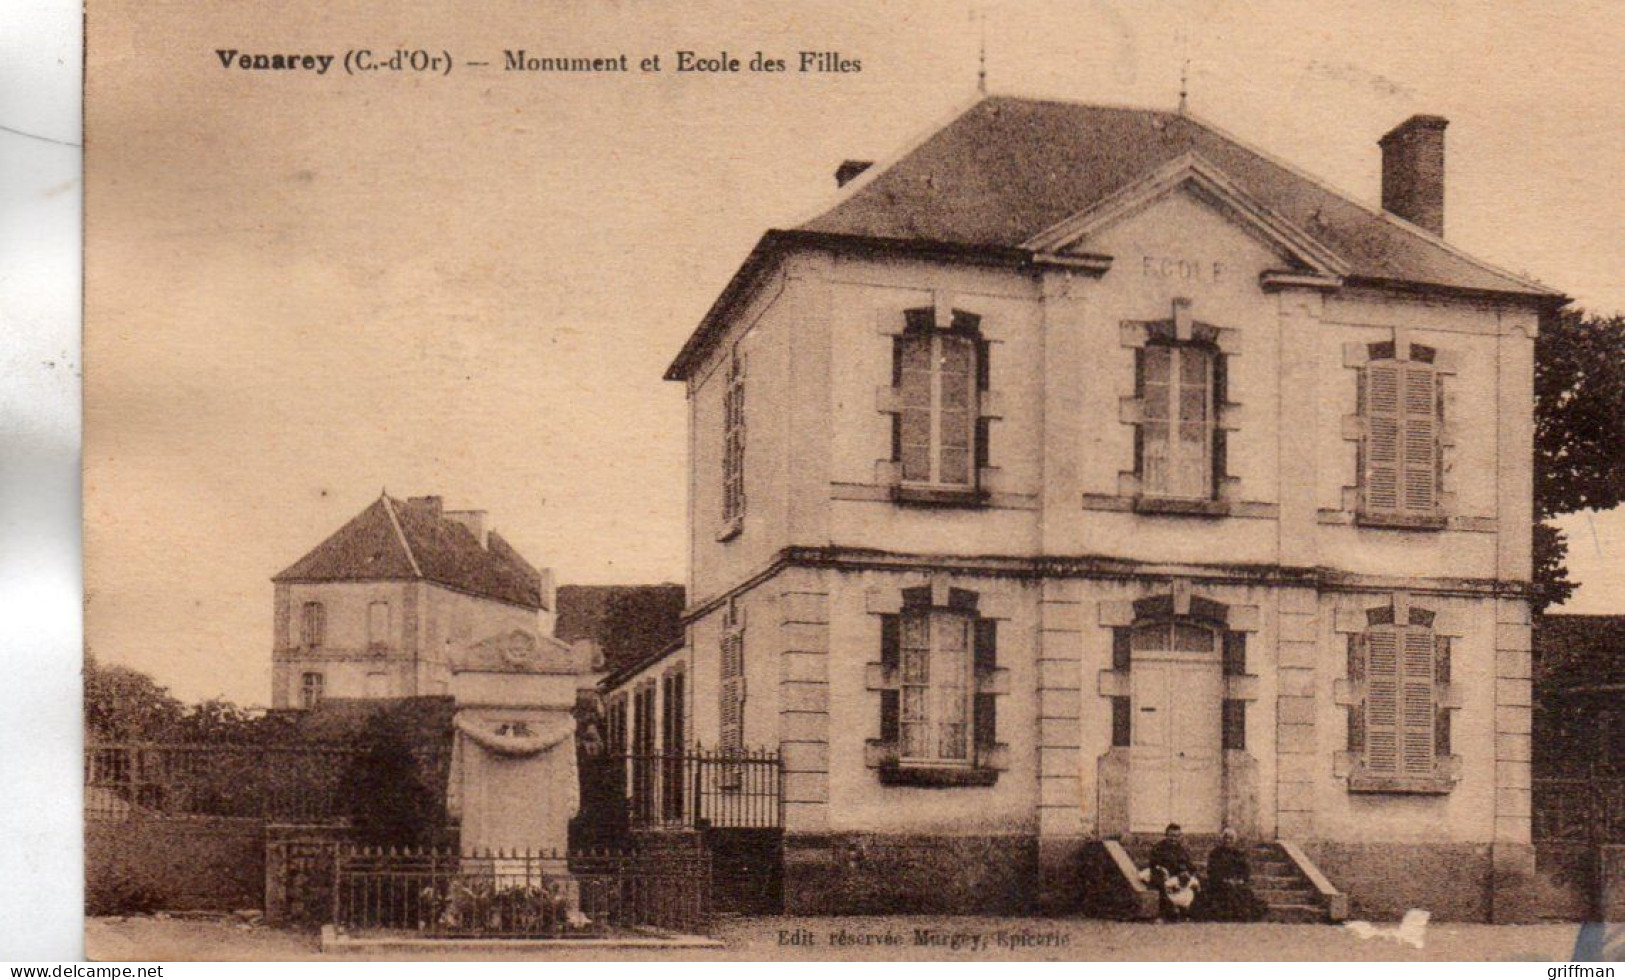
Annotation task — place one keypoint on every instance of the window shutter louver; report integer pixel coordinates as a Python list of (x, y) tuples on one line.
[(1382, 452), (1122, 649), (986, 660), (890, 646), (1421, 438), (1235, 653), (732, 691), (1416, 708), (1382, 702)]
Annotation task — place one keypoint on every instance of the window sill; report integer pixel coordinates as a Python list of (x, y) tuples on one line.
[(1401, 522), (728, 530), (931, 496), (897, 774), (1179, 505), (1409, 785)]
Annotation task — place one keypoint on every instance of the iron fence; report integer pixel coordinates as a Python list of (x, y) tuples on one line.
[(521, 894), (269, 782), (699, 788), (1579, 810)]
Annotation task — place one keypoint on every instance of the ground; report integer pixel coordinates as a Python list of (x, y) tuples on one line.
[(143, 938)]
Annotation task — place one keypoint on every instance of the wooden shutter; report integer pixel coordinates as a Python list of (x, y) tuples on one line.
[(1420, 448), (733, 450), (732, 691), (1382, 701), (1234, 658), (986, 706), (1402, 409), (1416, 721), (890, 645), (1382, 434)]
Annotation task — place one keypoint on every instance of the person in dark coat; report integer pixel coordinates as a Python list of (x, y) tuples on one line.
[(1170, 861), (1228, 895)]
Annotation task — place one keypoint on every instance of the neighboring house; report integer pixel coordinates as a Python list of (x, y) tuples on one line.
[(1084, 469), (620, 624), (401, 600)]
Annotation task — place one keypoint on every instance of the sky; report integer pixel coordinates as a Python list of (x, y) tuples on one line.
[(302, 289)]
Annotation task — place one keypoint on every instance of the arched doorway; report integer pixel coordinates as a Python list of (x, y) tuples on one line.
[(1176, 698)]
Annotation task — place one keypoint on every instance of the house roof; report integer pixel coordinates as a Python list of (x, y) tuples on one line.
[(1009, 169), (412, 540), (629, 622)]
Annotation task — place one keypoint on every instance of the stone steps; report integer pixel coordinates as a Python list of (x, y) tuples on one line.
[(1276, 880)]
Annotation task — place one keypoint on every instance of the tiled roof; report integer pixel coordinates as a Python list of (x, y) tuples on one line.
[(629, 622), (394, 540), (1008, 169)]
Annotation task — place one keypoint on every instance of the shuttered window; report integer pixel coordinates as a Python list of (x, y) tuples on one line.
[(733, 441), (732, 689), (1402, 409), (938, 435), (1400, 724), (1177, 423)]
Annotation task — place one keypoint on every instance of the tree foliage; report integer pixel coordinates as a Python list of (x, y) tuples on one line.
[(1579, 433), (389, 805), (126, 705)]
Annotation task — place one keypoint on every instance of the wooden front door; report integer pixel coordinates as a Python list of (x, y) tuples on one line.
[(1175, 759)]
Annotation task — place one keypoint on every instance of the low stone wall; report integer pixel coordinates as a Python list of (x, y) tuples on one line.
[(1383, 880), (826, 874), (194, 863)]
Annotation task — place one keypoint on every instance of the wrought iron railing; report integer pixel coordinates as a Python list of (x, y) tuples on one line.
[(696, 788), (278, 782), (521, 894)]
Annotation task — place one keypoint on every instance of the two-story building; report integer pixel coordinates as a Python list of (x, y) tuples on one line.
[(1083, 470), (400, 600)]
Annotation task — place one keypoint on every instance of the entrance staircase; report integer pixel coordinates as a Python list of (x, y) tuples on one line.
[(1282, 877)]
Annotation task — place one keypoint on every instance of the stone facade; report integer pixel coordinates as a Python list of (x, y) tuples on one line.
[(1279, 591)]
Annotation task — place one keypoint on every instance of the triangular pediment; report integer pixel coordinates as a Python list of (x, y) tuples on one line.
[(1075, 238)]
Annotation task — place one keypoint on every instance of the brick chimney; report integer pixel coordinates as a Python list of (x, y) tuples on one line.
[(474, 520), (849, 170), (430, 504), (1413, 172)]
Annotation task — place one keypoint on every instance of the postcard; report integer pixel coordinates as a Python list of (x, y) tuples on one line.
[(983, 481)]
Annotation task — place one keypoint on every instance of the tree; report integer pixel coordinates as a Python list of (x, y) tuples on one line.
[(123, 705), (389, 806), (1579, 433)]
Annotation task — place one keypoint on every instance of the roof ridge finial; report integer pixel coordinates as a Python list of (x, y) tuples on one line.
[(981, 59), (1184, 71)]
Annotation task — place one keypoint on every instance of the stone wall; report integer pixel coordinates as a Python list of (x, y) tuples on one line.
[(201, 863), (875, 874)]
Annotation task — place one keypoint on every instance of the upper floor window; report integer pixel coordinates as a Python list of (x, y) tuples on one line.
[(1177, 433), (312, 625), (311, 686), (733, 445), (377, 626), (1402, 404), (938, 436)]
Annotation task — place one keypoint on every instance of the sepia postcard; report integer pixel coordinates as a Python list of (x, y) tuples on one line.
[(854, 481)]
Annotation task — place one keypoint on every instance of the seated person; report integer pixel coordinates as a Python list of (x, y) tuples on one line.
[(1173, 875), (1229, 894)]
